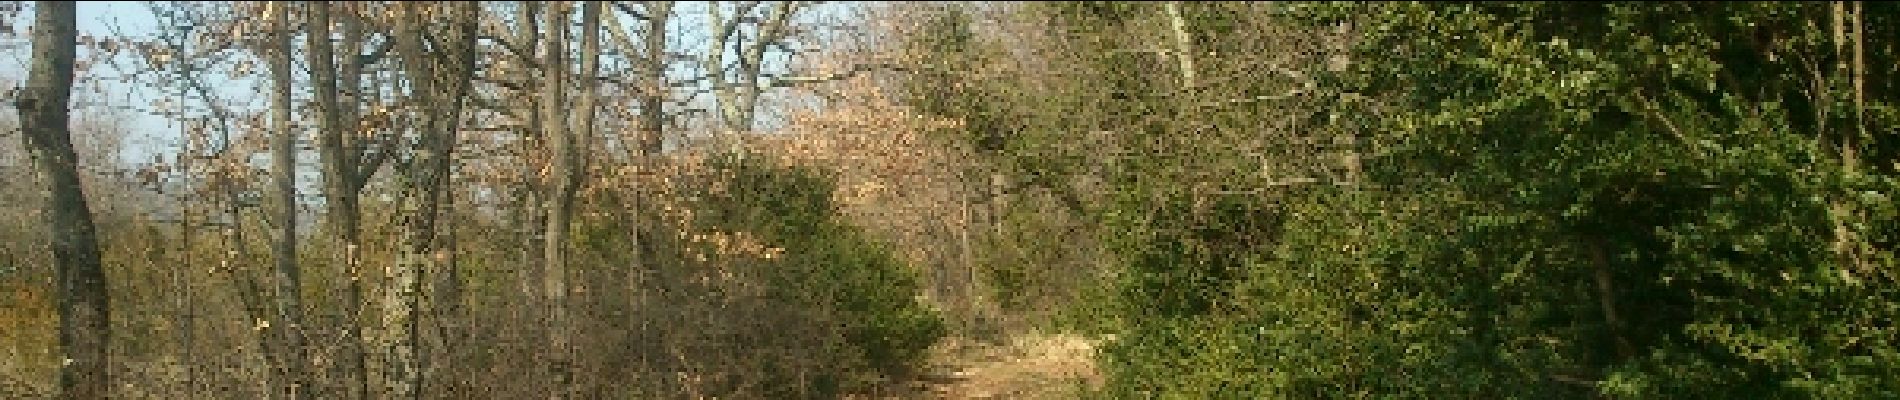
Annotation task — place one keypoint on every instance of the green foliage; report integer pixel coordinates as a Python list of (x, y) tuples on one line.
[(1714, 211), (828, 267), (1538, 168), (1191, 254)]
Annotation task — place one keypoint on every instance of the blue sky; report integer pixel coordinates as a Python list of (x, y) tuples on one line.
[(149, 135), (95, 18), (103, 97)]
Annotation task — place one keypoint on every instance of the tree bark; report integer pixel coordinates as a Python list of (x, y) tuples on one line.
[(651, 128), (1850, 157), (1606, 298), (288, 278), (1183, 45), (1848, 64), (440, 79), (560, 198), (1859, 45), (84, 314), (739, 96), (590, 93), (653, 90), (715, 64), (531, 216), (342, 179), (752, 65)]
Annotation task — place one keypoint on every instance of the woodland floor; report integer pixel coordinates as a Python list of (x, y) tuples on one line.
[(1030, 366)]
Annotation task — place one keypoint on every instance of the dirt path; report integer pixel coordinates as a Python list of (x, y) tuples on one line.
[(1034, 366)]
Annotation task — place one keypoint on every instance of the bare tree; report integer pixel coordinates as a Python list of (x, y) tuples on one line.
[(347, 158), (653, 87), (528, 41), (436, 44), (650, 94), (738, 94), (560, 200), (284, 166), (84, 312), (586, 118)]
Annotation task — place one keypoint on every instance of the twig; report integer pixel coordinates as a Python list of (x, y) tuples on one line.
[(1307, 86), (1656, 112), (1561, 378)]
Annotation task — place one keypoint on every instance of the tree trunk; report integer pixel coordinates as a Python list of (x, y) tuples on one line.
[(653, 90), (530, 216), (651, 128), (1848, 64), (752, 65), (181, 277), (972, 279), (590, 94), (715, 66), (1859, 44), (440, 77), (288, 279), (1849, 151), (559, 199), (84, 314), (737, 96), (1183, 45), (450, 308), (341, 178), (1606, 298)]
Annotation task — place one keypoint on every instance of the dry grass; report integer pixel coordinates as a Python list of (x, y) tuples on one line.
[(27, 327), (1028, 366)]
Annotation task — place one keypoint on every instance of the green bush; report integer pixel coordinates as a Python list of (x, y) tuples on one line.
[(1536, 176), (846, 282)]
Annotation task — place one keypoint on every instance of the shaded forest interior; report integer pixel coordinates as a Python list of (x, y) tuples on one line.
[(783, 199)]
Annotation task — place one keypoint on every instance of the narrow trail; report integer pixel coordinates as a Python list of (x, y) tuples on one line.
[(1030, 366)]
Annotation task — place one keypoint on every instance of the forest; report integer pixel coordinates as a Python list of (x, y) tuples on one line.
[(949, 200)]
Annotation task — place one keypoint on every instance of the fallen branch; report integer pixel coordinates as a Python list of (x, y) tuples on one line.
[(1567, 379)]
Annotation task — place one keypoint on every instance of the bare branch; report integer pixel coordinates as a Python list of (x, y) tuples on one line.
[(375, 55), (521, 55), (628, 9)]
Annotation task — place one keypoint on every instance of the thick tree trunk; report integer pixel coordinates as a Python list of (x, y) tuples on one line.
[(84, 314), (559, 199), (449, 306), (400, 375), (441, 78), (288, 280), (341, 178)]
